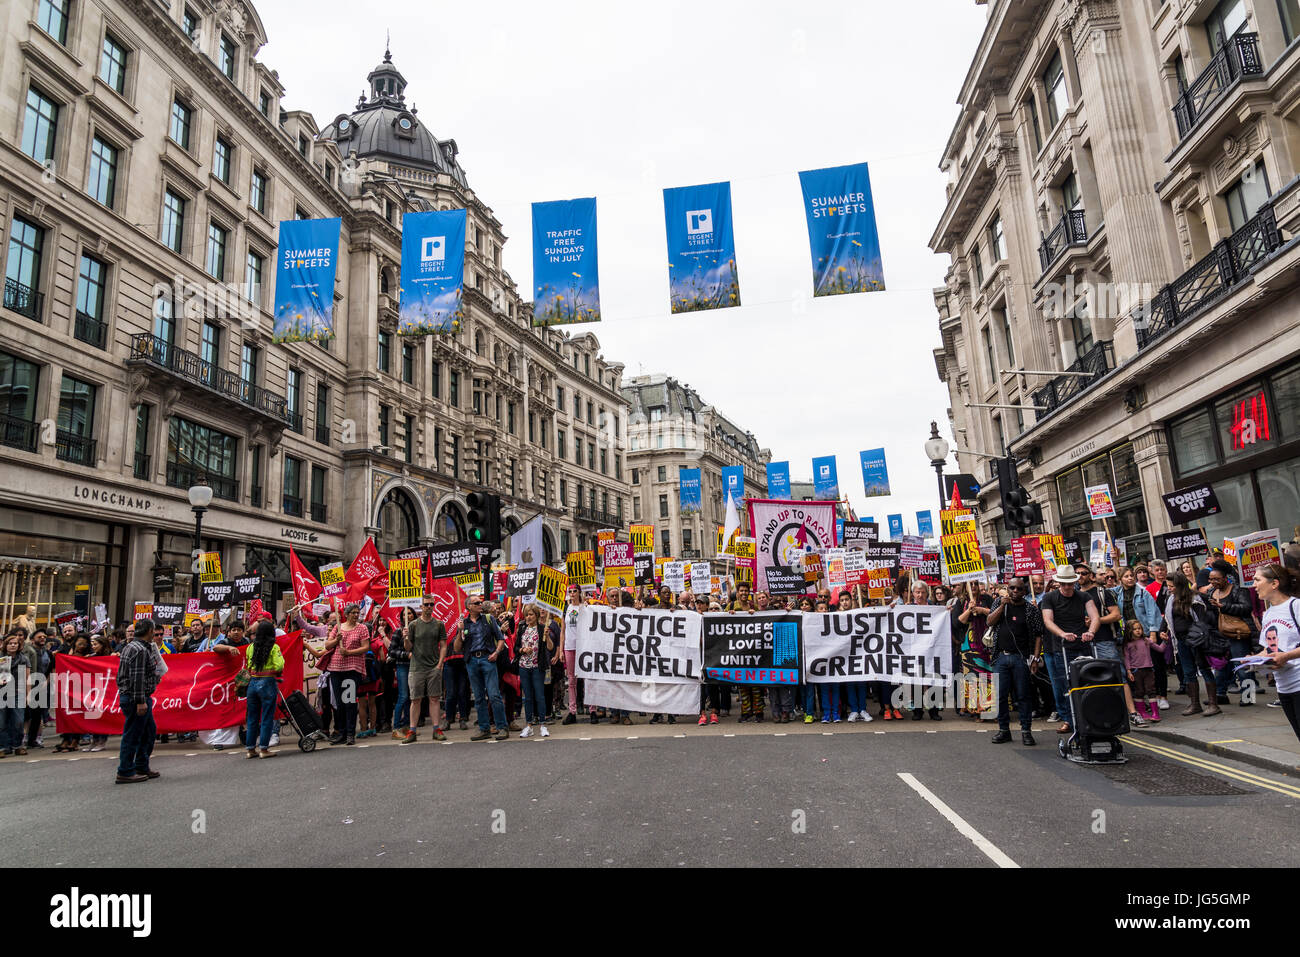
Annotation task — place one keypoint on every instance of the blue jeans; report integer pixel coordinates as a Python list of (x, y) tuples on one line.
[(1013, 676), (138, 733), (1187, 668), (830, 700), (11, 729), (1228, 674), (483, 682), (402, 710), (1060, 685), (809, 699), (455, 690), (856, 692), (533, 684), (262, 697)]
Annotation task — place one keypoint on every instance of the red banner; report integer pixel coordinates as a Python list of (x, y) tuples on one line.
[(367, 564), (196, 694), (306, 588)]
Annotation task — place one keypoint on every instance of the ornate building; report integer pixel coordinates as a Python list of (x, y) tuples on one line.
[(1123, 207), (671, 428), (148, 161)]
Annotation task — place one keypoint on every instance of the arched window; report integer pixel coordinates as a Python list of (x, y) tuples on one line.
[(548, 547), (399, 523), (383, 281), (450, 525), (478, 343)]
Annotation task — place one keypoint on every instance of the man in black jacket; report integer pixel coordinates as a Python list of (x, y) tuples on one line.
[(1016, 629), (137, 679)]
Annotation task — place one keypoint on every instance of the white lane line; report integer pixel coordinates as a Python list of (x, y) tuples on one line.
[(956, 820)]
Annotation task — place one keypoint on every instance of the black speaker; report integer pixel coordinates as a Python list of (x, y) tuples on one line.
[(1097, 694)]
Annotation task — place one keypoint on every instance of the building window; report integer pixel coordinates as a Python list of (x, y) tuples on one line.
[(997, 241), (665, 539), (591, 416), (293, 398), (40, 126), (317, 493), (1006, 336), (663, 506), (453, 387), (577, 404), (577, 448), (408, 363), (1031, 105), (164, 323), (663, 473), (384, 413), (53, 19), (437, 450), (91, 284), (141, 464), (988, 349), (226, 51), (302, 145), (1070, 194), (510, 417), (1290, 14), (292, 486), (1224, 21), (210, 346), (196, 451), (1058, 99), (254, 267), (561, 446), (604, 462), (76, 422), (101, 179), (112, 63), (218, 238), (559, 397), (385, 350), (532, 427), (408, 433), (436, 385), (591, 455), (1247, 195), (173, 221), (257, 192), (636, 474), (182, 118), (455, 457), (978, 263), (23, 268), (221, 157), (264, 103), (478, 462), (189, 23), (250, 357), (564, 493), (322, 413), (18, 386), (478, 404), (1081, 329)]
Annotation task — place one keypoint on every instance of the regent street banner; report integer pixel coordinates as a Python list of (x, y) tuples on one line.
[(690, 494), (566, 280), (826, 483), (433, 272), (910, 645), (733, 482), (842, 230), (784, 531), (306, 262), (639, 660), (759, 649), (778, 480), (701, 248)]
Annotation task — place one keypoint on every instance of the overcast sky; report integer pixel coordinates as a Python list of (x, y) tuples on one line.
[(619, 100)]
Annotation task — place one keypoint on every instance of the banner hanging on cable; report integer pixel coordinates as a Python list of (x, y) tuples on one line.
[(688, 485), (701, 248), (566, 279), (306, 262), (826, 483), (842, 230), (433, 272), (778, 480)]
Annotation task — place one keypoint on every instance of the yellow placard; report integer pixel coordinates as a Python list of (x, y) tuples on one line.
[(643, 539), (143, 610), (953, 520), (730, 548), (405, 584), (333, 574), (880, 581), (552, 586), (581, 567), (962, 558), (210, 567)]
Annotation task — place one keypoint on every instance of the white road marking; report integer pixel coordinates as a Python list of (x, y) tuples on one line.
[(956, 820)]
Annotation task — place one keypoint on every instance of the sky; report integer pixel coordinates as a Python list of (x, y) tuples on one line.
[(620, 100)]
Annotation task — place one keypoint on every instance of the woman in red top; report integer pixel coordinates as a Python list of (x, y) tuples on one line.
[(369, 692), (350, 641)]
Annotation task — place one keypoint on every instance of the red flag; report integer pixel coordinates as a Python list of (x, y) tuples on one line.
[(448, 603), (956, 497), (367, 564), (255, 609), (306, 588)]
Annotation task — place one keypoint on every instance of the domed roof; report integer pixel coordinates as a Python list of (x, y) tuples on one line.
[(384, 126)]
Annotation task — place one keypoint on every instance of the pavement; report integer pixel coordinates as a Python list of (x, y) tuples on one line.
[(922, 793), (1256, 734)]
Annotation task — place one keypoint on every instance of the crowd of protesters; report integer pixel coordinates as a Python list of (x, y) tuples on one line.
[(509, 668)]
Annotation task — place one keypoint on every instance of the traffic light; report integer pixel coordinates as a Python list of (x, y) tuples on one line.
[(1018, 513), (484, 518)]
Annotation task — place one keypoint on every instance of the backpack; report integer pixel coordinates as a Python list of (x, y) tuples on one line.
[(1203, 637)]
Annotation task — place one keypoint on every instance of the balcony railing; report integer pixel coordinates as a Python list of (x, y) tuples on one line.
[(77, 449), (318, 512), (322, 433), (1095, 364), (1237, 58), (141, 470), (18, 433), (1072, 230), (293, 505), (150, 350), (295, 421), (89, 329), (184, 476), (24, 300), (1230, 263)]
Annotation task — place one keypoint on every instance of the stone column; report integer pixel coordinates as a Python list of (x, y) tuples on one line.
[(1151, 453)]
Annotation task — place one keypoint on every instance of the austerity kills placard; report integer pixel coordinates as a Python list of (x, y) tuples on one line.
[(643, 539), (1191, 504), (450, 561), (911, 644), (758, 649), (646, 659), (552, 587), (1181, 544), (405, 583), (581, 568)]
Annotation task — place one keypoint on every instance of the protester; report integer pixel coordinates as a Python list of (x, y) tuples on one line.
[(400, 661), (1231, 609), (482, 643), (1017, 641), (370, 689), (1071, 621), (567, 650), (918, 593), (15, 686), (1276, 586), (455, 682), (42, 660), (138, 674), (350, 642), (231, 643), (425, 643), (1140, 647), (265, 663), (534, 647), (1189, 623), (101, 646)]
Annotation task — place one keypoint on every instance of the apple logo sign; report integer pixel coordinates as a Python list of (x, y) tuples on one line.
[(527, 556)]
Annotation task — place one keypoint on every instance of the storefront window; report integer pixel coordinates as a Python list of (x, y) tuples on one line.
[(1070, 487), (1238, 512), (43, 560), (1127, 478), (1286, 404), (1117, 470), (1279, 487), (1097, 472), (1192, 440), (177, 551), (1246, 424)]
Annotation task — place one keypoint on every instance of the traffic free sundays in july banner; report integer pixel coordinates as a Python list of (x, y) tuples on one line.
[(566, 277)]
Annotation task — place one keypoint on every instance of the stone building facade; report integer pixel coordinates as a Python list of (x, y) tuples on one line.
[(147, 162), (1122, 214)]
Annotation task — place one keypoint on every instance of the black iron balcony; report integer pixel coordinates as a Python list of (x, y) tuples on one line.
[(293, 505), (78, 449), (1094, 364), (24, 300), (1230, 263), (18, 433), (1072, 230), (295, 421), (89, 329), (184, 476), (322, 433), (141, 470), (1237, 58), (318, 512), (153, 352)]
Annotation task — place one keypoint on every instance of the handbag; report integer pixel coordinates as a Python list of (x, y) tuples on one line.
[(241, 683), (1201, 637), (1230, 626)]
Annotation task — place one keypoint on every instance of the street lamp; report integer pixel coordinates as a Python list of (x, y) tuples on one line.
[(200, 497), (937, 449)]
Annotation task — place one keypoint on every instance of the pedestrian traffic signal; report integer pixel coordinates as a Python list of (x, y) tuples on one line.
[(1018, 513), (484, 518)]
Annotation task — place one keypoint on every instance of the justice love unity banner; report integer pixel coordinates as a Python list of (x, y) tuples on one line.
[(701, 249)]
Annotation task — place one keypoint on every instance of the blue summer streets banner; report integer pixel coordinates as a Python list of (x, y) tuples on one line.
[(842, 230), (701, 248), (566, 279), (433, 272), (306, 262), (691, 498)]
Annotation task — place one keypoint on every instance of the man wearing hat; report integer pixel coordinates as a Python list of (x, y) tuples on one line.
[(1070, 622)]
